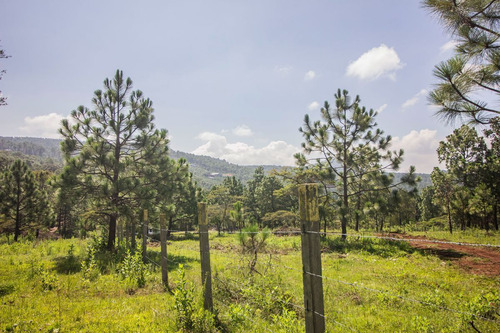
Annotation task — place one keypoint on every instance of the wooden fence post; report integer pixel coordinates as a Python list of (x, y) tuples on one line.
[(164, 258), (145, 236), (311, 259), (206, 273)]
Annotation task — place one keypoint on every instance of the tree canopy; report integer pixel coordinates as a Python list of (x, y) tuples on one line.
[(469, 82), (3, 55)]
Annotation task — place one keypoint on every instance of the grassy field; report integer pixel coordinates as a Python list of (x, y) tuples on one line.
[(370, 285)]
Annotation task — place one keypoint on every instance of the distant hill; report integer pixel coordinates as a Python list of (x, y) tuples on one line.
[(44, 148), (208, 171)]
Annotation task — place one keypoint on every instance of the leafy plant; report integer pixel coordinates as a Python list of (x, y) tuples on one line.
[(133, 270), (49, 280), (190, 317), (90, 269)]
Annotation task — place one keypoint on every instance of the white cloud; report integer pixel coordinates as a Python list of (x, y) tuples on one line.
[(283, 69), (448, 46), (381, 108), (412, 101), (378, 62), (310, 75), (275, 153), (420, 150), (45, 126), (242, 130), (313, 106)]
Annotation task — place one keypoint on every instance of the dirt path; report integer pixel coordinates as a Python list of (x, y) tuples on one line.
[(474, 259)]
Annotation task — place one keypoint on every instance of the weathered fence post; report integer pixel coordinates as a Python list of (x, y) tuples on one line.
[(311, 259), (206, 273), (145, 236), (164, 259)]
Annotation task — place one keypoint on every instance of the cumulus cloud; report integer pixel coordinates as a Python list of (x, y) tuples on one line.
[(310, 75), (378, 62), (45, 126), (275, 153), (381, 108), (412, 101), (448, 46), (313, 106), (420, 150), (242, 130)]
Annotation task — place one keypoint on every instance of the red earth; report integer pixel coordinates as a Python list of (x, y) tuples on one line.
[(474, 259)]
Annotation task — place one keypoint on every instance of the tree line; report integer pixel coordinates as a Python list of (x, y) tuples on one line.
[(116, 162)]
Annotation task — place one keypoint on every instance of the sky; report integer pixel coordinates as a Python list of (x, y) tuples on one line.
[(228, 79)]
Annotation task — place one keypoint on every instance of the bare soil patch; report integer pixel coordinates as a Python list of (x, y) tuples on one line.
[(474, 259)]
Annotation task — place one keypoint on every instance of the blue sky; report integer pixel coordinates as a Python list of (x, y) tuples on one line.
[(229, 79)]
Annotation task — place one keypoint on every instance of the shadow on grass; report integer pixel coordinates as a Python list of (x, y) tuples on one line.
[(173, 260), (444, 254), (6, 289), (183, 236), (381, 247), (69, 264)]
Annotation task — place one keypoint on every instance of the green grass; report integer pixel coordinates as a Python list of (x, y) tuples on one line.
[(370, 285)]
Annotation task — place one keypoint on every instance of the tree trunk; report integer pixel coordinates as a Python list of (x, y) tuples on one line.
[(450, 225), (170, 225), (345, 205), (495, 216), (17, 228), (112, 232), (358, 207), (133, 244)]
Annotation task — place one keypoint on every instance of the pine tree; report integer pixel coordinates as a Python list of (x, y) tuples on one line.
[(22, 202), (471, 77), (113, 152), (354, 152)]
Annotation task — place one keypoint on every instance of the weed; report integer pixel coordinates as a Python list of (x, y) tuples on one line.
[(133, 271), (286, 321), (49, 280), (421, 324), (89, 266), (190, 316)]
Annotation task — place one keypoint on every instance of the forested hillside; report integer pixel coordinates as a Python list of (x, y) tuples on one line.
[(45, 154), (41, 147)]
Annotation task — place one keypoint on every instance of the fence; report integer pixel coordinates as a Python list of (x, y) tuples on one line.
[(313, 308)]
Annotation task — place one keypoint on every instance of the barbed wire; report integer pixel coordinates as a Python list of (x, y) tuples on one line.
[(405, 239), (322, 233), (288, 302), (355, 284), (302, 308)]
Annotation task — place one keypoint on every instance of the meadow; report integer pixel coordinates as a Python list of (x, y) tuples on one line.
[(370, 285)]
